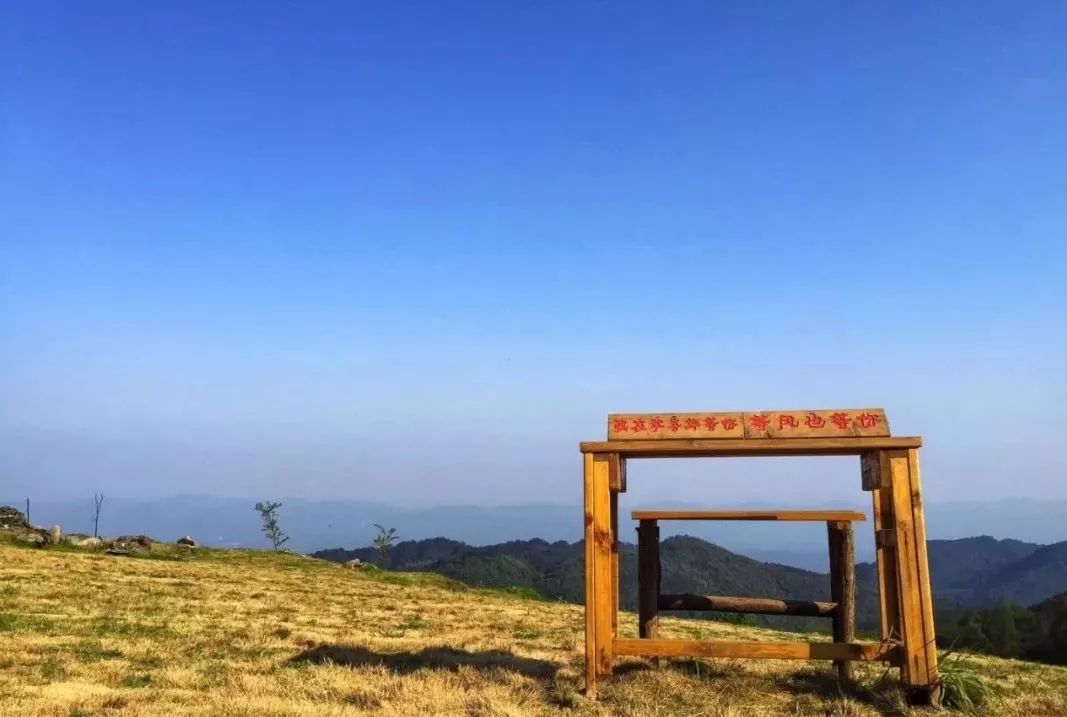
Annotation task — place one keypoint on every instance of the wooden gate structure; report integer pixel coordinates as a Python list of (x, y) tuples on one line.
[(889, 468)]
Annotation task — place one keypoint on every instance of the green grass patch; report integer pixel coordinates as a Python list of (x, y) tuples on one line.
[(526, 633), (110, 626), (52, 669), (92, 651), (414, 622), (137, 680), (522, 593), (14, 622)]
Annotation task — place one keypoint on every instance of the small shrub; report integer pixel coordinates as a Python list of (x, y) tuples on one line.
[(385, 539), (268, 512), (961, 687)]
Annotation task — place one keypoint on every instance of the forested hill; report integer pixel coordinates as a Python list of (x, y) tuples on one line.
[(967, 573), (555, 571)]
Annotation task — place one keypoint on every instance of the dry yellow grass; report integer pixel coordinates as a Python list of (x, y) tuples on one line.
[(254, 633)]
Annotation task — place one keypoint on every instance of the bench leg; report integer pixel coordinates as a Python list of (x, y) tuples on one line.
[(843, 588), (648, 578)]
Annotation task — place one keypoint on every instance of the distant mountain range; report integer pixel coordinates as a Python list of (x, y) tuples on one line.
[(983, 571), (314, 525), (970, 572)]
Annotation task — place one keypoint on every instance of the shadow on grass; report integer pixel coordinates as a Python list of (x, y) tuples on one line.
[(884, 696), (430, 658)]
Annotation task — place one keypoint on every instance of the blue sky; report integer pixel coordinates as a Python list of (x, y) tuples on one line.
[(414, 252)]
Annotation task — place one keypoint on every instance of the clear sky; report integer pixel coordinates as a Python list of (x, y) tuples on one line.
[(414, 252)]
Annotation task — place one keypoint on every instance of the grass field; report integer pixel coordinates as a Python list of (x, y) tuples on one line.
[(255, 633)]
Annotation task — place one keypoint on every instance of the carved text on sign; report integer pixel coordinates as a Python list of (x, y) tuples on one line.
[(759, 424)]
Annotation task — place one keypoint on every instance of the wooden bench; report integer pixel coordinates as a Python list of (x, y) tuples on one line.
[(841, 609)]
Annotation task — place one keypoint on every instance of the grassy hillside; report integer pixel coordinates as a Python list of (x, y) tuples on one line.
[(252, 633)]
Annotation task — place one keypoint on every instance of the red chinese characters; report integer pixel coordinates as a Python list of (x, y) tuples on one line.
[(760, 421), (655, 424), (814, 420), (692, 424), (674, 424), (840, 420), (710, 422), (868, 420), (729, 424), (639, 425), (786, 420), (619, 425)]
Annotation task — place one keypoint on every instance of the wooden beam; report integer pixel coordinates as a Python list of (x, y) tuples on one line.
[(618, 473), (818, 516), (860, 651), (747, 605), (870, 476), (743, 447)]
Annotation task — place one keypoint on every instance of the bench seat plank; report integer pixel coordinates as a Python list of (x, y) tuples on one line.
[(793, 515)]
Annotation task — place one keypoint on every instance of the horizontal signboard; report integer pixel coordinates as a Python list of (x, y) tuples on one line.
[(822, 423)]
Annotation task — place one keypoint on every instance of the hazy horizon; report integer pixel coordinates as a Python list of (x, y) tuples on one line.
[(314, 525)]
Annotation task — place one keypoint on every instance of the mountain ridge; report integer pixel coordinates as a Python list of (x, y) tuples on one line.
[(966, 573)]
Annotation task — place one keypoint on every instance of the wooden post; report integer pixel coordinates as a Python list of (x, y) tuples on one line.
[(843, 588), (885, 554), (922, 561), (590, 584), (648, 578), (914, 669), (603, 539), (617, 482)]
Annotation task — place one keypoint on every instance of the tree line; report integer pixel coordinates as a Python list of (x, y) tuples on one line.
[(1009, 630)]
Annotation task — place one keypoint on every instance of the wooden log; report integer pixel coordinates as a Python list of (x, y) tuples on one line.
[(747, 605), (648, 579), (843, 588), (859, 651)]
